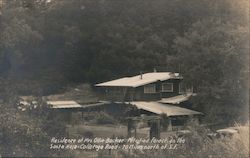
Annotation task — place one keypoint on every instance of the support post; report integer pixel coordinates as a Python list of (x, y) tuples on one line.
[(169, 124), (82, 115), (129, 127)]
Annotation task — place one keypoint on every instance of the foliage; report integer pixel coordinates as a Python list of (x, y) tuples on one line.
[(104, 118), (26, 130), (88, 134), (199, 145), (46, 45), (217, 69), (111, 41)]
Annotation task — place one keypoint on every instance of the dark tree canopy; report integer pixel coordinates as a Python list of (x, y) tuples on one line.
[(47, 44)]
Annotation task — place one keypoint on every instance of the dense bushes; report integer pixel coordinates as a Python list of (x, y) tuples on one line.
[(26, 130), (45, 45), (104, 118), (198, 145)]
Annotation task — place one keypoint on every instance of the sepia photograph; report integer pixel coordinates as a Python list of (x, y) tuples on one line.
[(124, 78)]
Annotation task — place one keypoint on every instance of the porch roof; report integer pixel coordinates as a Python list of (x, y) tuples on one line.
[(69, 104), (160, 108), (176, 99)]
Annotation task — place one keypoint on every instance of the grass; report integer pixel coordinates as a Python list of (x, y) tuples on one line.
[(234, 147), (98, 130)]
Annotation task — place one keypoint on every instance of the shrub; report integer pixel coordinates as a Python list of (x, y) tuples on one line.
[(104, 118), (88, 134)]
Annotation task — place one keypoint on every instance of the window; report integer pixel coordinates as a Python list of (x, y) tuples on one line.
[(167, 87), (149, 88)]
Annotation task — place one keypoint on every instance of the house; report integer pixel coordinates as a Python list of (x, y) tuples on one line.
[(153, 93), (143, 87)]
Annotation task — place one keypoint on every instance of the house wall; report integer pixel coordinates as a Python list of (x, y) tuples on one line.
[(112, 93), (140, 95), (137, 94), (181, 122), (175, 88)]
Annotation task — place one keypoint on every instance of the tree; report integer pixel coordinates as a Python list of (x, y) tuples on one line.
[(26, 130), (213, 55)]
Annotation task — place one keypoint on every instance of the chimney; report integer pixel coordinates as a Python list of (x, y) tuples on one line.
[(141, 75), (155, 70), (171, 74)]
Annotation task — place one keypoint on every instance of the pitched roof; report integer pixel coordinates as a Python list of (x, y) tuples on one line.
[(63, 104), (139, 80), (176, 99), (160, 108), (72, 104)]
